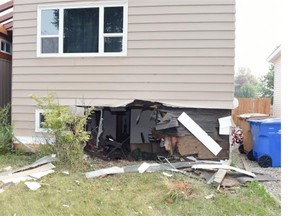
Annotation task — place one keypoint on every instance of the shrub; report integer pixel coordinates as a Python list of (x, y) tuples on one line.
[(6, 130), (67, 130)]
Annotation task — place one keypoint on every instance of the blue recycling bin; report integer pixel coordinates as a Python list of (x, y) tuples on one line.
[(266, 136)]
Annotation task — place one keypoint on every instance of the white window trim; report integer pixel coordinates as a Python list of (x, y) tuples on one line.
[(6, 42), (38, 122), (101, 5)]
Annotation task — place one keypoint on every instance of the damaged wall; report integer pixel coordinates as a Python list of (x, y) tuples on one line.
[(166, 60), (207, 119)]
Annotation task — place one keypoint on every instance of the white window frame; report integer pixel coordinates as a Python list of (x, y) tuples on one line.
[(5, 51), (101, 6), (38, 127)]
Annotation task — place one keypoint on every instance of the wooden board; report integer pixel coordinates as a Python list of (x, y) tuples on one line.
[(199, 133)]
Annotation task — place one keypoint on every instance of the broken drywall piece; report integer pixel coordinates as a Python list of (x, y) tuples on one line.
[(199, 133), (217, 166), (41, 174), (225, 124), (41, 161), (143, 167), (106, 171), (27, 174), (33, 185)]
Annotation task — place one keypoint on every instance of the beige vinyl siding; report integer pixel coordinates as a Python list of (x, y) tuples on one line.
[(180, 52), (5, 82), (277, 88)]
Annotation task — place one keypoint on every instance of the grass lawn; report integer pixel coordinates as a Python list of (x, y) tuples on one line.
[(129, 194)]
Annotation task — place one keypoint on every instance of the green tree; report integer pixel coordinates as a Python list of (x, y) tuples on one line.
[(267, 84), (246, 84)]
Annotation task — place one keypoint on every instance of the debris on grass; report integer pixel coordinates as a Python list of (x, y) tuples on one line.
[(33, 185), (167, 174), (210, 196), (65, 172), (34, 171), (143, 167), (7, 168)]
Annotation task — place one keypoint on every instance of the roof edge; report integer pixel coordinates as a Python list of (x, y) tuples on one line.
[(274, 55)]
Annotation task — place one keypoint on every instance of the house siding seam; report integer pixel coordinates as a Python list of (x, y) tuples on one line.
[(178, 51)]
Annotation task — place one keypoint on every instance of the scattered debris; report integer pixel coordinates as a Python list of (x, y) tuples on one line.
[(27, 174), (34, 171), (218, 177), (41, 161), (106, 171), (7, 168), (167, 174), (216, 166), (66, 206), (143, 167), (209, 196), (33, 185), (65, 172), (134, 168)]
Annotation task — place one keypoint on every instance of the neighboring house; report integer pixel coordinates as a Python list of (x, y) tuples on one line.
[(275, 58), (108, 54), (5, 52)]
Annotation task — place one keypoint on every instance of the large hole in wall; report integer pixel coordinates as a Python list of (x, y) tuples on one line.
[(142, 131)]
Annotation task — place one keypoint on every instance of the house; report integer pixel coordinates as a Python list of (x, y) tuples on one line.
[(5, 52), (275, 58), (130, 59)]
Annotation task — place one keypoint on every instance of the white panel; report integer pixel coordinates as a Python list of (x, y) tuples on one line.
[(199, 133)]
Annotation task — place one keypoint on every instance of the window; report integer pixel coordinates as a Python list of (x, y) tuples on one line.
[(39, 119), (77, 30), (6, 47)]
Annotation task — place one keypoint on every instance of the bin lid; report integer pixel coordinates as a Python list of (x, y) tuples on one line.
[(251, 115), (266, 121)]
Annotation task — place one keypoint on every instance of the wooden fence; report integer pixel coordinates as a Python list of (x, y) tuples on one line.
[(251, 105)]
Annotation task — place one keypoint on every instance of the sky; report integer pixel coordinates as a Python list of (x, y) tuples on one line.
[(258, 33)]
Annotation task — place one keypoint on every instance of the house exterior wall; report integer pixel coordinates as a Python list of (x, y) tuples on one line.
[(277, 88), (179, 52), (5, 81)]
